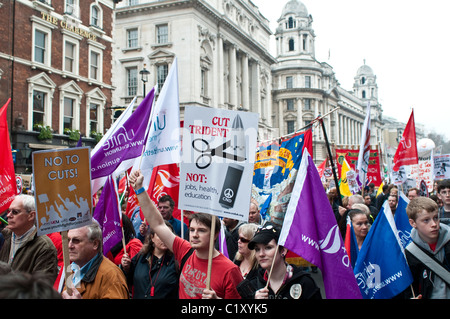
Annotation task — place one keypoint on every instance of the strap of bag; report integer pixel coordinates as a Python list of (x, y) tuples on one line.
[(185, 257), (443, 273)]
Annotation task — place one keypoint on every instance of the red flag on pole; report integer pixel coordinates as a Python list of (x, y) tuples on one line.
[(8, 188), (407, 148)]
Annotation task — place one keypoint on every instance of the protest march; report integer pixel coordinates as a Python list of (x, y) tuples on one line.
[(162, 209)]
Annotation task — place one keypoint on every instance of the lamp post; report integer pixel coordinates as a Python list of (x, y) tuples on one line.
[(144, 77)]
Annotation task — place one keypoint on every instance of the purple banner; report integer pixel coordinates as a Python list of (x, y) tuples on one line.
[(310, 230), (125, 143), (108, 215)]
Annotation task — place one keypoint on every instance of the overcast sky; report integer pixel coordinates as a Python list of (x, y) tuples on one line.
[(405, 42)]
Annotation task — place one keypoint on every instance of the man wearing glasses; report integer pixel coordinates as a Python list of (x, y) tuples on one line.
[(443, 192), (23, 250)]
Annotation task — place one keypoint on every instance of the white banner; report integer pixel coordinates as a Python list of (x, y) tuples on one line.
[(217, 163), (442, 166)]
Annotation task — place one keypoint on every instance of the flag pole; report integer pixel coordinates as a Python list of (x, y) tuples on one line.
[(331, 160), (271, 267), (211, 251)]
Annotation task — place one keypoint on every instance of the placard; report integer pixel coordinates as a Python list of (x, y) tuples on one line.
[(217, 161), (62, 184)]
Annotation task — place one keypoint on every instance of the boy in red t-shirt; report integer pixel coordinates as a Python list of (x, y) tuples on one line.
[(225, 275)]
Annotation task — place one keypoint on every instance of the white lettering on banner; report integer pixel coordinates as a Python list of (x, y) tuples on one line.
[(114, 141), (404, 143)]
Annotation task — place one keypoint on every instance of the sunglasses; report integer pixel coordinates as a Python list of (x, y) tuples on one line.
[(14, 212), (244, 240)]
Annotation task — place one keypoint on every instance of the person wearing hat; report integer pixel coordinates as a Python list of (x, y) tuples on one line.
[(286, 281)]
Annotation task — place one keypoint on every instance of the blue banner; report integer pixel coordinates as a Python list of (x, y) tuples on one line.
[(381, 269), (275, 169)]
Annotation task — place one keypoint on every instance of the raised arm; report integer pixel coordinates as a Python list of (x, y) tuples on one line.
[(151, 213)]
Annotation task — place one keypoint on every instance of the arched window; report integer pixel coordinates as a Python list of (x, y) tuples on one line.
[(363, 80), (291, 23), (363, 94), (291, 45)]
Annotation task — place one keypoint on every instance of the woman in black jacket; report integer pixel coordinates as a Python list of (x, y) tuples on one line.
[(153, 273), (286, 281)]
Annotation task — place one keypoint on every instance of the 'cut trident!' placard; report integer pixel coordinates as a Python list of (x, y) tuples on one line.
[(217, 162), (62, 183)]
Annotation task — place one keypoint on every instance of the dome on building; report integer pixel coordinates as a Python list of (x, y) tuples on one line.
[(365, 70), (295, 7)]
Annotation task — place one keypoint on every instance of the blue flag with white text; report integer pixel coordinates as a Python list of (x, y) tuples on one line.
[(402, 221), (381, 269)]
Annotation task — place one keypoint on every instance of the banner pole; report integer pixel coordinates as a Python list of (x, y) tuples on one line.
[(211, 251), (65, 246), (336, 181)]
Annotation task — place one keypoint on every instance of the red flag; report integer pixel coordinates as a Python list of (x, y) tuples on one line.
[(165, 180), (321, 167), (407, 148), (8, 187)]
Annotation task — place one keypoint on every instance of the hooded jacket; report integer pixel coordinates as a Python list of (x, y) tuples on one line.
[(426, 282)]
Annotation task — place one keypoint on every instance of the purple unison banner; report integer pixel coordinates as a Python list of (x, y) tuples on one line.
[(310, 230)]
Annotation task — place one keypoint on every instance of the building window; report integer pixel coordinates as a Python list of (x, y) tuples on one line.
[(69, 57), (93, 117), (132, 80), (95, 65), (291, 45), (204, 82), (307, 106), (38, 107), (307, 81), (163, 70), (71, 8), (132, 38), (68, 113), (40, 46), (305, 39), (290, 104), (162, 34), (291, 24), (133, 2), (289, 82), (95, 16), (290, 127)]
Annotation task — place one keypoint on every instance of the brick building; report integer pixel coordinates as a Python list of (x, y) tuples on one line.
[(55, 65)]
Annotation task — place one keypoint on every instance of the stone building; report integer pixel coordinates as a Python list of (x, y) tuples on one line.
[(224, 62), (221, 47), (55, 65), (304, 88)]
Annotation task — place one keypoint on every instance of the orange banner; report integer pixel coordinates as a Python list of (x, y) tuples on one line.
[(62, 180)]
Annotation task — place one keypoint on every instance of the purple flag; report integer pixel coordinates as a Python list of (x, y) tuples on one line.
[(310, 230), (223, 241), (126, 143), (108, 215)]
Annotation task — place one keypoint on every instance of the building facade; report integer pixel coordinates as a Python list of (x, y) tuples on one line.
[(304, 88), (55, 65), (221, 47)]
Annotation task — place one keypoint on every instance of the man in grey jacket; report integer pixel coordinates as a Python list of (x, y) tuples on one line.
[(23, 249)]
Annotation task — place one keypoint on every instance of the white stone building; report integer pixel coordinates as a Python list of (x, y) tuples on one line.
[(223, 55), (221, 47), (304, 88)]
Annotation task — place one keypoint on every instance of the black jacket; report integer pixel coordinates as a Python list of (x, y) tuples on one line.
[(300, 286)]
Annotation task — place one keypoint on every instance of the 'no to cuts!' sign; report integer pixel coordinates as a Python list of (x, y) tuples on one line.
[(62, 180)]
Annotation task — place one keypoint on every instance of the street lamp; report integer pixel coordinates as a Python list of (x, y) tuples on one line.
[(144, 77)]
